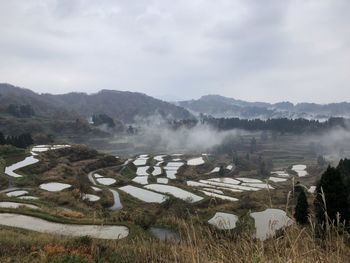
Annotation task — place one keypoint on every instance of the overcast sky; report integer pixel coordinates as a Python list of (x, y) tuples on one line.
[(257, 50)]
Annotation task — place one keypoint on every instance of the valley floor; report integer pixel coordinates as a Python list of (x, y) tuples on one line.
[(71, 185)]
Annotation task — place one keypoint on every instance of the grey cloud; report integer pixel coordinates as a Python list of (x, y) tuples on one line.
[(159, 48), (249, 49), (65, 8)]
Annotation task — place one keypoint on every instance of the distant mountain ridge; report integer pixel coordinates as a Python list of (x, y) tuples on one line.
[(127, 106), (220, 106), (121, 105)]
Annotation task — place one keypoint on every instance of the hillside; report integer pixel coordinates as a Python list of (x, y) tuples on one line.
[(219, 106), (120, 105), (10, 94)]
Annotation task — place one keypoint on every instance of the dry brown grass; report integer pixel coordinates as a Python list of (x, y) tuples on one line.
[(70, 214), (199, 243), (202, 244)]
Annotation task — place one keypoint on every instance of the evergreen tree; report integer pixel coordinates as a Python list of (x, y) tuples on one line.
[(21, 141), (335, 195), (301, 212), (344, 169), (20, 111), (2, 139), (221, 171), (277, 126), (298, 187), (13, 110), (26, 111)]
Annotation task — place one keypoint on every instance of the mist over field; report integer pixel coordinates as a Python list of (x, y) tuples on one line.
[(200, 138), (156, 136), (333, 144)]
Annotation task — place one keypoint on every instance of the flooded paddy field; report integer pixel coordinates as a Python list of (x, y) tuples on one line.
[(143, 188)]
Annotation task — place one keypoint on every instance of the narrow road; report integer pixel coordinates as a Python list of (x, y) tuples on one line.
[(117, 205), (91, 177)]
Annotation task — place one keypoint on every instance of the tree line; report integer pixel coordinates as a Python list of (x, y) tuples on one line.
[(282, 125), (21, 111), (21, 141)]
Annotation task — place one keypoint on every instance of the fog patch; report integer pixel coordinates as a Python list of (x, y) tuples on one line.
[(200, 138), (333, 144)]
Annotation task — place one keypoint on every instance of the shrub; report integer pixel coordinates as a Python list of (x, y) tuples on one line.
[(302, 209)]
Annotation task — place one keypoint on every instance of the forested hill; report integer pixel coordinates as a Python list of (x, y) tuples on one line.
[(21, 102), (219, 106), (119, 105)]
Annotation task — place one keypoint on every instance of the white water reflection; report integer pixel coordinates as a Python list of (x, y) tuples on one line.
[(54, 187), (17, 193), (224, 220), (269, 221), (43, 226), (175, 191), (143, 194), (300, 169), (17, 205), (27, 161), (196, 161), (223, 197), (106, 181)]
